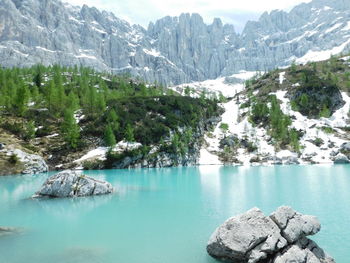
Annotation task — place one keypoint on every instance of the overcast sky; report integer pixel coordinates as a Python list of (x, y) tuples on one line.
[(235, 12)]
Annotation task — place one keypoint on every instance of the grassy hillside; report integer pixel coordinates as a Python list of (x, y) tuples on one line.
[(61, 112)]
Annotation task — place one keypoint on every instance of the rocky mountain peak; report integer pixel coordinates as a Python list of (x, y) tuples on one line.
[(171, 50)]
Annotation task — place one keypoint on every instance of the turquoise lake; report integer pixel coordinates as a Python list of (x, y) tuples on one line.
[(167, 215)]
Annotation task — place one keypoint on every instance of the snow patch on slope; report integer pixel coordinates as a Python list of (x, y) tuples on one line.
[(322, 55), (100, 152), (85, 56), (217, 86), (152, 52), (207, 158), (241, 129), (45, 49), (281, 77), (333, 28), (347, 27)]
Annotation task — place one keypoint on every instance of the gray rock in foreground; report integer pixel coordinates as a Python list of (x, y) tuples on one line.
[(73, 184), (303, 251), (253, 237), (295, 225)]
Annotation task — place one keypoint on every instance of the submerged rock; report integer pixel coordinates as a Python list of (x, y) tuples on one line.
[(341, 159), (80, 254), (73, 184), (279, 238), (7, 231)]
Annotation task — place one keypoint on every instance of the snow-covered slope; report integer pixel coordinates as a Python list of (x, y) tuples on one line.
[(323, 140), (225, 86)]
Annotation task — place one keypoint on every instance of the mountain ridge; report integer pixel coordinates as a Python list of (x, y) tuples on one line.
[(173, 50)]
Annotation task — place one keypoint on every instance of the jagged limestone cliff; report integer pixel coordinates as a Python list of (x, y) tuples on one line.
[(172, 50)]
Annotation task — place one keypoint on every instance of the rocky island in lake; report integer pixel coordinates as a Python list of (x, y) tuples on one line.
[(73, 184)]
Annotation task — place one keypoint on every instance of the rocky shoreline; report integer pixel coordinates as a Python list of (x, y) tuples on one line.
[(20, 161), (34, 164)]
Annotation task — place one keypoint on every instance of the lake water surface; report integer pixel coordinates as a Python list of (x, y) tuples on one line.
[(167, 215)]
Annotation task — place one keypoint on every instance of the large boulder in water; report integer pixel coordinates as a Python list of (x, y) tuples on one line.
[(240, 238), (280, 238), (72, 184)]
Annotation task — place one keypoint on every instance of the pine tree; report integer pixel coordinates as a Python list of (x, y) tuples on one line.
[(29, 131), (50, 95), (113, 120), (21, 100), (72, 101), (304, 100), (70, 129), (100, 104), (187, 91), (325, 112), (109, 137), (294, 140), (38, 78), (60, 98), (90, 100), (35, 94), (129, 133), (112, 116), (175, 143)]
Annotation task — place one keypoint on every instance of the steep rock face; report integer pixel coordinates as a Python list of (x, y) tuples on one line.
[(157, 158), (172, 50), (198, 49), (50, 32), (281, 237)]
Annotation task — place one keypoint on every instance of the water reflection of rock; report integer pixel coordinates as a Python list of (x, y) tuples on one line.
[(80, 255), (68, 208), (9, 231), (15, 188)]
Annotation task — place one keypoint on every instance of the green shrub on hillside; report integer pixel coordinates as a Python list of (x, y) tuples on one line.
[(316, 96), (276, 122)]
